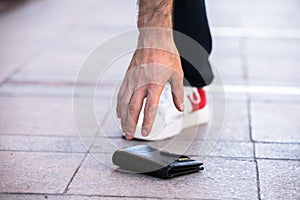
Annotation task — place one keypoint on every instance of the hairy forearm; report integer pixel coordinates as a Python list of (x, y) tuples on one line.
[(155, 13), (155, 24)]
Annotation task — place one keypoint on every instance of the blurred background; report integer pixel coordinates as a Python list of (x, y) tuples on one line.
[(256, 50), (255, 42)]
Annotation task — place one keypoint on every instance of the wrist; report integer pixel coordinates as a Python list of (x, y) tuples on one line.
[(156, 38), (157, 13)]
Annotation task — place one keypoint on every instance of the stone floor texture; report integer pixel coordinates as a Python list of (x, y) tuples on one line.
[(256, 51)]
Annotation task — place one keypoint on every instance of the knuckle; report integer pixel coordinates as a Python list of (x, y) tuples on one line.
[(152, 86)]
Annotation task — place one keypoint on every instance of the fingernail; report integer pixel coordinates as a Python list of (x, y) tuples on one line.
[(128, 136), (144, 133)]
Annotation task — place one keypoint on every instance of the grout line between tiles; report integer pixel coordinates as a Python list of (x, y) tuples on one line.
[(254, 150), (74, 174), (86, 154)]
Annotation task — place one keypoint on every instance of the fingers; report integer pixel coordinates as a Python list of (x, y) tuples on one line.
[(123, 112), (120, 96), (153, 95), (130, 105), (177, 91), (134, 109)]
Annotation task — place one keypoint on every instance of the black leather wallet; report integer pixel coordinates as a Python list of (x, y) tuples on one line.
[(148, 160)]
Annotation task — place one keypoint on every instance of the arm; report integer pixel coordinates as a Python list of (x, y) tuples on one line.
[(156, 13), (154, 63)]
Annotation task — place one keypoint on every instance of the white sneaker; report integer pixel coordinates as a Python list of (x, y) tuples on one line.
[(169, 122)]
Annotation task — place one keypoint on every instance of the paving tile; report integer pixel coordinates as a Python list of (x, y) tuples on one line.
[(221, 178), (14, 56), (36, 89), (62, 59), (272, 49), (279, 179), (234, 96), (225, 48), (103, 92), (280, 15), (80, 39), (37, 172), (285, 98), (51, 20), (41, 116), (230, 70), (212, 148), (66, 53), (236, 125), (277, 151), (187, 147), (28, 29), (57, 65), (274, 72), (254, 14), (124, 15), (224, 14), (233, 149), (49, 67), (276, 122), (33, 30), (62, 197), (42, 143)]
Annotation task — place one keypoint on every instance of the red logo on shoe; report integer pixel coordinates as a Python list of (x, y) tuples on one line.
[(198, 99)]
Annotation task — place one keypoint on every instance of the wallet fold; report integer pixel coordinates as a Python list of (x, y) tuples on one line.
[(148, 160)]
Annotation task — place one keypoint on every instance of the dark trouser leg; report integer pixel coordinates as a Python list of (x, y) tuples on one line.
[(190, 19)]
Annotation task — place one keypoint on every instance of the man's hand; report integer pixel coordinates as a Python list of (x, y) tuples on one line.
[(154, 63), (149, 71)]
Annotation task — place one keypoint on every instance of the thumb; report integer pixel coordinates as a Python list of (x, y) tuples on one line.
[(177, 92)]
